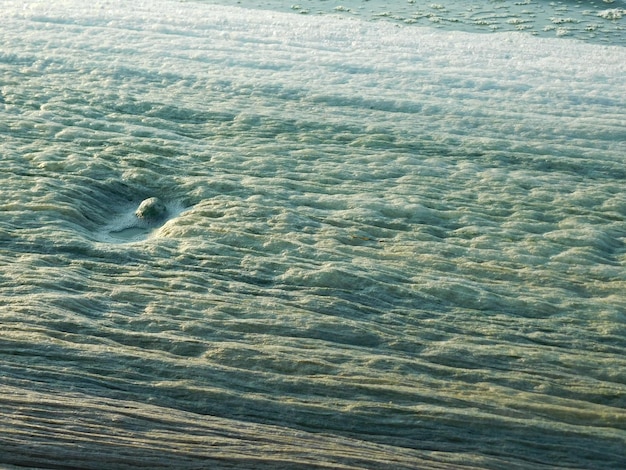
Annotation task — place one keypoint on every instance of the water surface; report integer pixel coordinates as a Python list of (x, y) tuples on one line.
[(385, 246)]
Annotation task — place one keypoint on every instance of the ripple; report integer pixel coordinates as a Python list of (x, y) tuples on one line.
[(126, 227)]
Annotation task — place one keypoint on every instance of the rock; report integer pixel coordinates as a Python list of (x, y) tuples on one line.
[(151, 209)]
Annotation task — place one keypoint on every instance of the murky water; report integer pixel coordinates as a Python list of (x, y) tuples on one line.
[(382, 246)]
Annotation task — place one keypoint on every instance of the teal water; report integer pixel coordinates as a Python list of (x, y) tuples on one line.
[(592, 21), (384, 247)]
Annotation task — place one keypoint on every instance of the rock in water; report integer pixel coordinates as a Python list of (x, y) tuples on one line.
[(151, 209)]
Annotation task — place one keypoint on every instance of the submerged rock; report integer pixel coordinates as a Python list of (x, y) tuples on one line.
[(151, 209)]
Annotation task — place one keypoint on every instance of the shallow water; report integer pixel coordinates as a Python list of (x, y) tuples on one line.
[(595, 21), (385, 247)]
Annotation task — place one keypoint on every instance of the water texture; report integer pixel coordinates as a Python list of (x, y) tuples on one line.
[(596, 21), (383, 246)]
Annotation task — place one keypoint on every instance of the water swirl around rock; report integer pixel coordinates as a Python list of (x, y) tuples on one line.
[(139, 222)]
